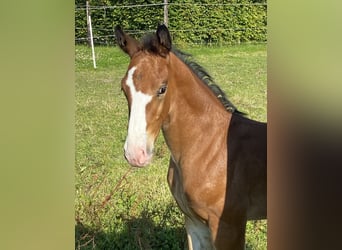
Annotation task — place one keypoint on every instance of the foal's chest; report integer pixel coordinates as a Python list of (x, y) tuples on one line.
[(175, 181)]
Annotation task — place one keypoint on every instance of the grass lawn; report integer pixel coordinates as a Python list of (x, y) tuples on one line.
[(119, 207)]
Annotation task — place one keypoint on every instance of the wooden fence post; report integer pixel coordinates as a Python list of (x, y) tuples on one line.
[(166, 13), (90, 35), (88, 29)]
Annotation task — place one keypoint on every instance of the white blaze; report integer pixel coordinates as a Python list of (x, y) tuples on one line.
[(137, 135)]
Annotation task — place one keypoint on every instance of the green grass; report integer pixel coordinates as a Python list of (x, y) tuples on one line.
[(118, 207)]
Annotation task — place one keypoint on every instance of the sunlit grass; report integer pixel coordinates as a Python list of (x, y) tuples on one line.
[(118, 207)]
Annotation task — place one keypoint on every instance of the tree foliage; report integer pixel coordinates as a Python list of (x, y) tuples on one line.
[(203, 22)]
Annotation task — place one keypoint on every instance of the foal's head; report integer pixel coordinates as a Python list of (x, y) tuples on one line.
[(145, 86)]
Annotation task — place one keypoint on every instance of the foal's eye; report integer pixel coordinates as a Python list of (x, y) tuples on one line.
[(161, 90)]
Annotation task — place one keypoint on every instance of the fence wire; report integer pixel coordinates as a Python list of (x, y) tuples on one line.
[(81, 8)]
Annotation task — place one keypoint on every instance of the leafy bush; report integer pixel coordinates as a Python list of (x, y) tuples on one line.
[(203, 22)]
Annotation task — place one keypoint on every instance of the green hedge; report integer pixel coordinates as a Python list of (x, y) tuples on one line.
[(203, 22)]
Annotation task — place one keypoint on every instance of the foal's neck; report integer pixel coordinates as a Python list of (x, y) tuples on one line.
[(196, 116), (191, 93)]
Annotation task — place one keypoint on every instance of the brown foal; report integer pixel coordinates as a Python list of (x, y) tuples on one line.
[(217, 171)]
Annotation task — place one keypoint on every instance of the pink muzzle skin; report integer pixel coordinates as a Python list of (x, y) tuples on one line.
[(138, 157)]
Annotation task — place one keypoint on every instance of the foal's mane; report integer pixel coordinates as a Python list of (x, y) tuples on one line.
[(150, 44)]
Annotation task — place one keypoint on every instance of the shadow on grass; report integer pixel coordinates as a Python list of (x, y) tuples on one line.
[(248, 247), (142, 233), (137, 233)]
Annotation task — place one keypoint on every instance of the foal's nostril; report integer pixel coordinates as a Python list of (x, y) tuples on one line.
[(141, 157), (143, 152)]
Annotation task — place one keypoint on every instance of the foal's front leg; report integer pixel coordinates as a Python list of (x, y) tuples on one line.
[(198, 234), (228, 235)]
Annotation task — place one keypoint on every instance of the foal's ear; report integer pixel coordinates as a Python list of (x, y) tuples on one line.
[(127, 43), (164, 39)]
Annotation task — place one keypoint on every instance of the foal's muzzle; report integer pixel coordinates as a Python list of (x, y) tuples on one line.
[(137, 156)]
